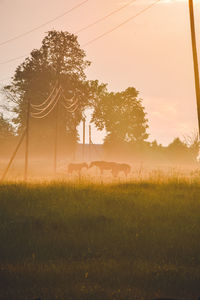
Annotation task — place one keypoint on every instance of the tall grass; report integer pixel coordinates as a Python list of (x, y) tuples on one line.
[(134, 240)]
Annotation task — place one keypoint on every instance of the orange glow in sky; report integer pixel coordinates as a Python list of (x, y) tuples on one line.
[(152, 53)]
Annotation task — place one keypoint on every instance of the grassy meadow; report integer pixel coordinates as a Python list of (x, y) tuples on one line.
[(135, 240)]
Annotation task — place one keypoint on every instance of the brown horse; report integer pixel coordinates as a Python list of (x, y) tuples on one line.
[(76, 167), (115, 168), (102, 165)]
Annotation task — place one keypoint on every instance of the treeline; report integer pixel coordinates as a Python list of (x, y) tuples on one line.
[(121, 114), (177, 152)]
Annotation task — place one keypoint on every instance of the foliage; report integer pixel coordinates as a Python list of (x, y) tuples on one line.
[(123, 117), (96, 92), (193, 143), (135, 241), (178, 152), (59, 58)]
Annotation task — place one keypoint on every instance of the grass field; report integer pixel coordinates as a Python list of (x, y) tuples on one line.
[(138, 240)]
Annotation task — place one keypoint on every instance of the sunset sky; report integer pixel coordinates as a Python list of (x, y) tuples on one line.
[(152, 52)]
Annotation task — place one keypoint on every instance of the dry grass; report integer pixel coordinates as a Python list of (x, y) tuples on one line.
[(81, 240)]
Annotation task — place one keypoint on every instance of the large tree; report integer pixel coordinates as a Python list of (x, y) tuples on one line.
[(123, 117), (60, 58)]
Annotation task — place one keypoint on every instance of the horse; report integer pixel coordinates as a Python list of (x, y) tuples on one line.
[(114, 167), (117, 167), (76, 167), (102, 165)]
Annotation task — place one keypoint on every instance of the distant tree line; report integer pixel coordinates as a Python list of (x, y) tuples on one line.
[(121, 114)]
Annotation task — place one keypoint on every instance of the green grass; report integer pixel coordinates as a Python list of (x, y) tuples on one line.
[(121, 241)]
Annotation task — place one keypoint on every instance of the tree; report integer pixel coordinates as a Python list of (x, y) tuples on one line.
[(123, 117), (178, 152), (6, 129), (193, 144), (60, 58)]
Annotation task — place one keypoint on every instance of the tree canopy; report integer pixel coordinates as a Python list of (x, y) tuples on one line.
[(121, 114), (59, 58), (123, 117)]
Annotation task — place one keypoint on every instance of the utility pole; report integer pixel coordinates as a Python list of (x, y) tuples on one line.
[(56, 139), (90, 135), (83, 149), (13, 156), (195, 59), (90, 142), (56, 117), (27, 141)]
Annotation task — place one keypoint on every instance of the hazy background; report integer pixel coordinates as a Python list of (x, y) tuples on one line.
[(152, 53)]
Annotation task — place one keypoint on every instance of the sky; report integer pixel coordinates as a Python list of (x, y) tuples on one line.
[(152, 53)]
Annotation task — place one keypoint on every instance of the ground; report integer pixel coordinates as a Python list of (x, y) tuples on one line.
[(135, 240)]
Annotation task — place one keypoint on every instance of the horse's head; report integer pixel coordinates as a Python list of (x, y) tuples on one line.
[(85, 165), (92, 164)]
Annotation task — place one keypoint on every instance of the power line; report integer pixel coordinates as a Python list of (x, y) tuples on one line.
[(71, 106), (73, 110), (38, 106), (45, 115), (80, 30), (5, 78), (105, 17), (121, 24), (43, 24), (100, 36), (42, 110), (69, 100), (41, 115), (13, 59)]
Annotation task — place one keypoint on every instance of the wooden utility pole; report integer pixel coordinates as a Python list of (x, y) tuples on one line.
[(58, 69), (56, 139), (90, 135), (195, 59), (83, 149), (27, 141), (13, 155), (90, 142)]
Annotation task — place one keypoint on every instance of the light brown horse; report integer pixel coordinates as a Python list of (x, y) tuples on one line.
[(114, 167), (76, 167), (117, 168)]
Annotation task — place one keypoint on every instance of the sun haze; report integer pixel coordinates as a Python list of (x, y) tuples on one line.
[(151, 52)]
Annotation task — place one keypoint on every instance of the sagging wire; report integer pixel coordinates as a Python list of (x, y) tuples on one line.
[(49, 97), (43, 116), (41, 110), (72, 105), (53, 98), (72, 111)]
